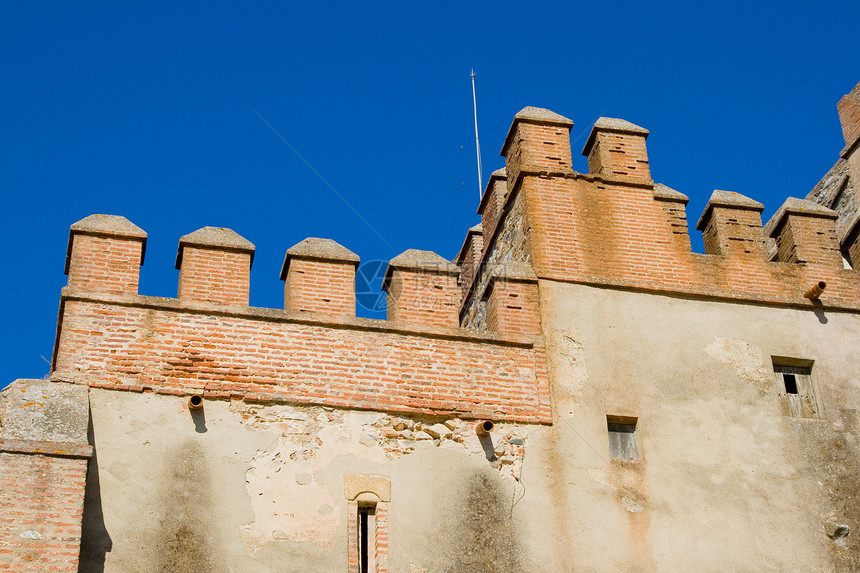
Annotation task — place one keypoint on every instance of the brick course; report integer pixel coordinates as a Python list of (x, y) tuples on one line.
[(42, 497), (323, 287), (145, 343), (214, 275), (105, 264)]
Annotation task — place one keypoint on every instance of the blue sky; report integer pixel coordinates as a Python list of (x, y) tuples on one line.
[(153, 111)]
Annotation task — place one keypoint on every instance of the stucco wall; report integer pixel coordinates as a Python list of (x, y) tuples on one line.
[(725, 480), (249, 488)]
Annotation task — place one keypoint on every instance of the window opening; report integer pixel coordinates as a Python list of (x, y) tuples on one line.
[(366, 539), (622, 438), (796, 387), (790, 383)]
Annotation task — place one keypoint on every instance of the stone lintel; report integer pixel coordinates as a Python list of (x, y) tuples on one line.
[(355, 485)]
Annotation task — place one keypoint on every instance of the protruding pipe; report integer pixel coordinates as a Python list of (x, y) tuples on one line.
[(484, 428), (195, 402), (816, 290)]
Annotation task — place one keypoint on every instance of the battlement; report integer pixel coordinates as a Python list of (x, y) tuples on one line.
[(208, 341), (615, 227), (540, 221)]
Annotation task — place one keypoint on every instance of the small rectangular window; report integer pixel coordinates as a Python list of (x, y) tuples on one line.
[(622, 438), (796, 387)]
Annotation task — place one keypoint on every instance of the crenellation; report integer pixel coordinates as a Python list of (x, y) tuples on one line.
[(512, 301), (319, 277), (469, 258), (493, 202), (849, 116), (215, 266), (616, 150), (422, 288), (849, 238), (104, 254), (805, 232), (674, 205), (537, 141), (731, 225)]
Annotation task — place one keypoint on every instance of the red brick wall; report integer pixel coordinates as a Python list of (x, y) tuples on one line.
[(849, 116), (102, 264), (734, 232), (469, 261), (537, 147), (802, 239), (325, 287), (513, 307), (352, 550), (591, 230), (620, 156), (424, 298), (675, 213), (492, 206), (214, 275), (381, 548), (46, 495), (266, 355)]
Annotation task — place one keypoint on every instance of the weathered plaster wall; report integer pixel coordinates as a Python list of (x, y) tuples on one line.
[(725, 480), (240, 487)]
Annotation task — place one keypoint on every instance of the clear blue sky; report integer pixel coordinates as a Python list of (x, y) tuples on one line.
[(148, 111)]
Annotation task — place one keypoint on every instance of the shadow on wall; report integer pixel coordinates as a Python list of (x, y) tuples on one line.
[(95, 539)]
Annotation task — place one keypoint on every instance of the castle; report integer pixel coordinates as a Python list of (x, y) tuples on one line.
[(576, 391)]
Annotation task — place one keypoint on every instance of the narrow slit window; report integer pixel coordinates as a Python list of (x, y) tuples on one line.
[(790, 383), (366, 539)]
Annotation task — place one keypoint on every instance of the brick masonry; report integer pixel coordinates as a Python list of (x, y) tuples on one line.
[(41, 502), (105, 264), (616, 231), (215, 276), (324, 287), (165, 346)]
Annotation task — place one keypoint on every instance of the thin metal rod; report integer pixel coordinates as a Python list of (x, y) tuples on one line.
[(477, 141)]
